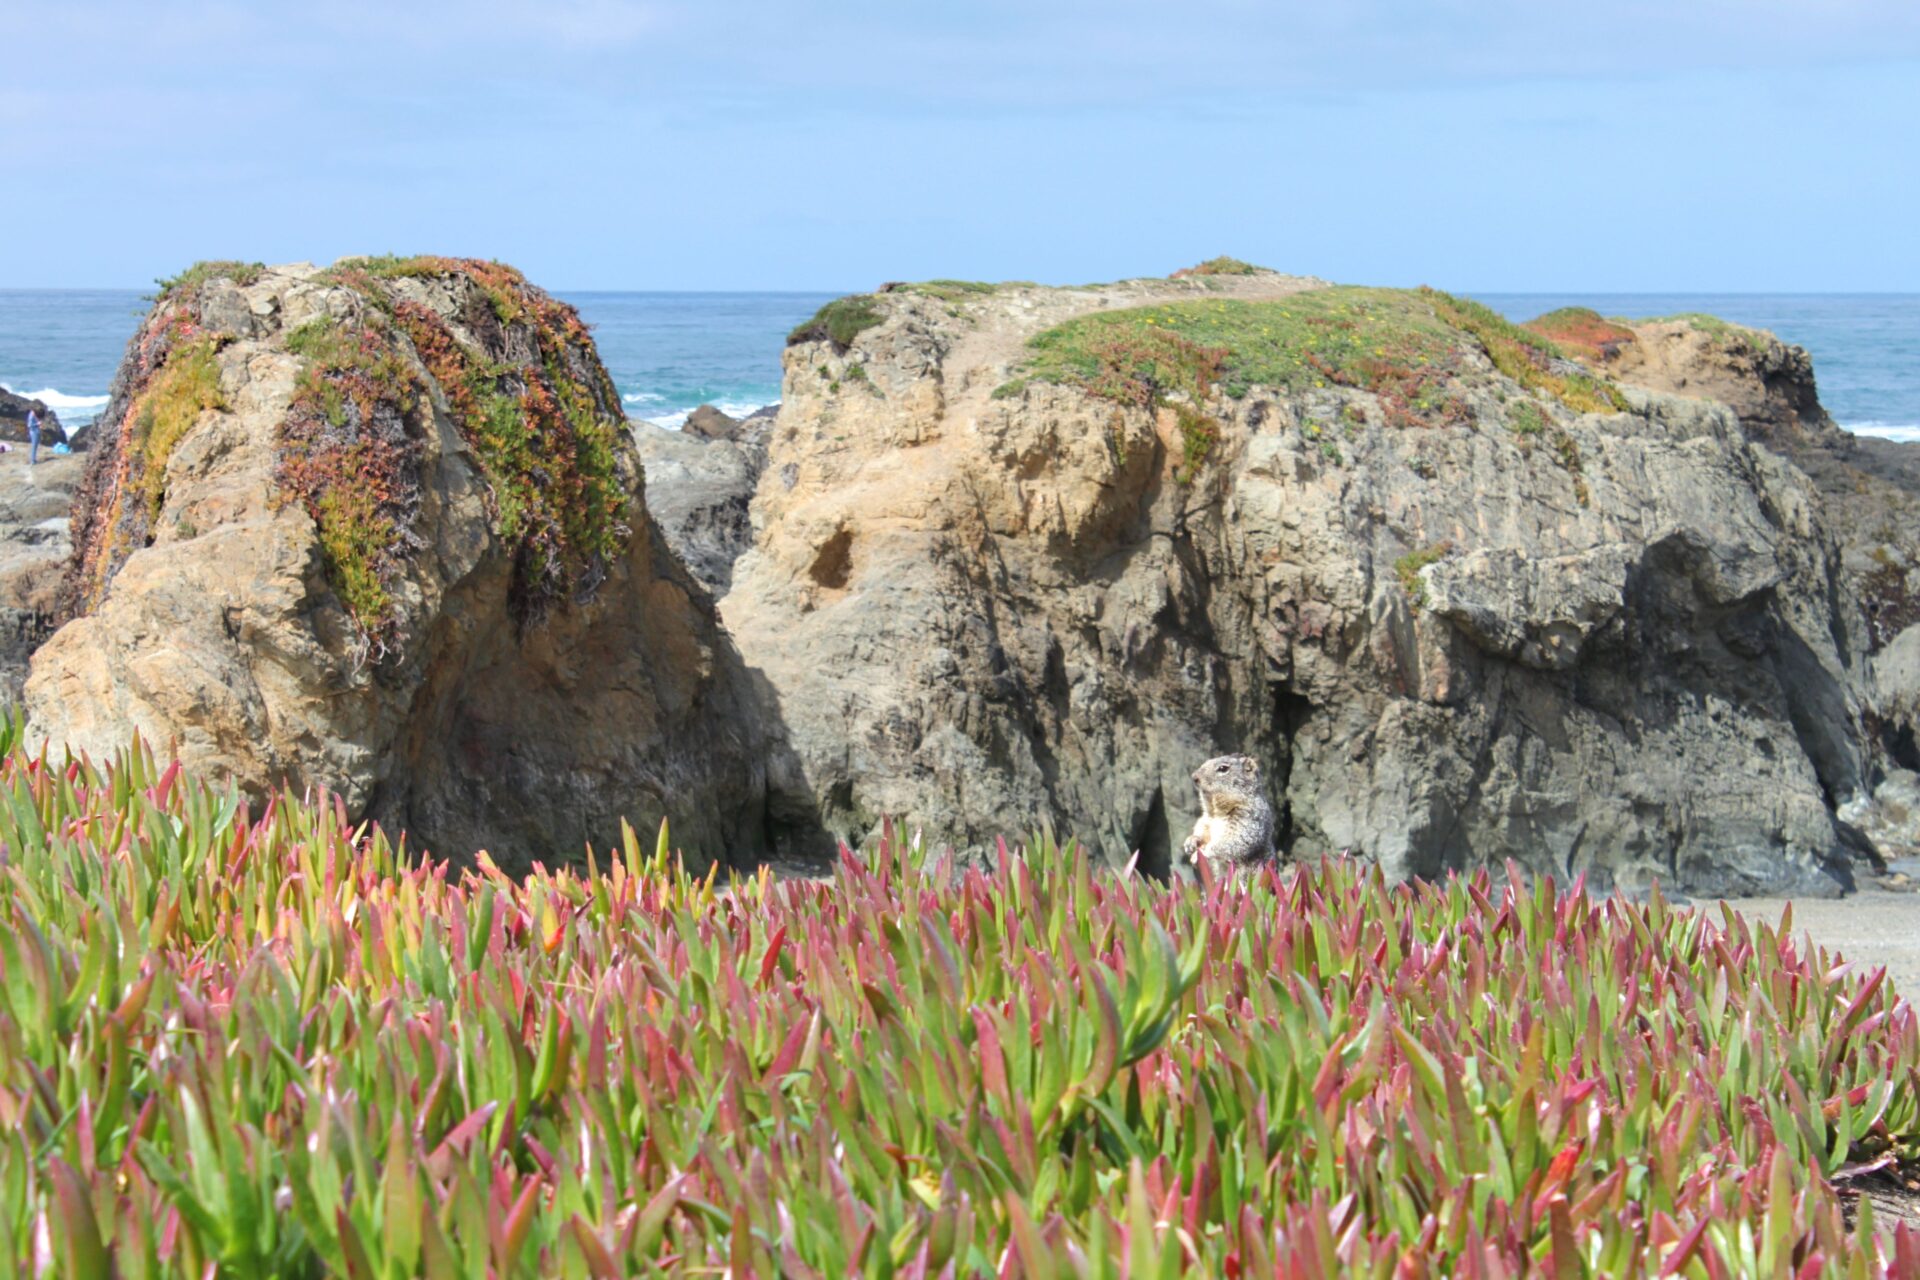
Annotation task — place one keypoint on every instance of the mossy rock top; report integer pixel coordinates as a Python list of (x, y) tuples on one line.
[(1406, 345), (514, 367)]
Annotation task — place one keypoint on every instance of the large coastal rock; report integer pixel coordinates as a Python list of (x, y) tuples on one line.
[(379, 528), (13, 419), (1026, 555), (1869, 505)]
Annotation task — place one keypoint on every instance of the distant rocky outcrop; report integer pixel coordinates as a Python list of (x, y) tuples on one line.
[(379, 528), (702, 478), (1868, 506), (1766, 382), (13, 419), (1025, 555), (708, 423), (33, 555)]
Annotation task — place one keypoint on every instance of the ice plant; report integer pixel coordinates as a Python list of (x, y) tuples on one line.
[(246, 1042)]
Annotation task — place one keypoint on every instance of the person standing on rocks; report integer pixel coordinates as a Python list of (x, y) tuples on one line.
[(33, 437)]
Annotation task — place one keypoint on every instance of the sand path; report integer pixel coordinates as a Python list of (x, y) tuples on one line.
[(1880, 925)]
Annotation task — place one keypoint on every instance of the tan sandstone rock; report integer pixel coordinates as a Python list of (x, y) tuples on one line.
[(1460, 620), (307, 552)]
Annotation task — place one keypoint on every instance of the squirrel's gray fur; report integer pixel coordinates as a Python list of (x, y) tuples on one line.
[(1236, 826)]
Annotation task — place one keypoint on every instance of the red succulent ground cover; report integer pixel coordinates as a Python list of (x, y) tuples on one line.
[(1582, 331), (238, 1042), (545, 433)]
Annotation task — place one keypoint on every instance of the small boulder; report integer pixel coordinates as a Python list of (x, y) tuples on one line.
[(708, 423)]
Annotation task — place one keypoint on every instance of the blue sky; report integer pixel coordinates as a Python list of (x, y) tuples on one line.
[(1757, 145)]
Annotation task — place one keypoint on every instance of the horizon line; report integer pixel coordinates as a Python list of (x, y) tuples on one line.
[(1470, 290)]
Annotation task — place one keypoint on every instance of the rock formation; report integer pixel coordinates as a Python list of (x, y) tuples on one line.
[(379, 528), (33, 555), (701, 479), (1025, 555), (1869, 505), (1616, 600), (13, 419)]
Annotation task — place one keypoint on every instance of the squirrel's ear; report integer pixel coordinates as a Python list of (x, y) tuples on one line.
[(1254, 766)]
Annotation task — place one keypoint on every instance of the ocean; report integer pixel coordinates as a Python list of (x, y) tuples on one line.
[(668, 352)]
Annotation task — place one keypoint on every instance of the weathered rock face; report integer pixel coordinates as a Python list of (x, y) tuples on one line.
[(1020, 557), (33, 554), (1766, 382), (13, 419), (701, 480), (379, 528), (1868, 500)]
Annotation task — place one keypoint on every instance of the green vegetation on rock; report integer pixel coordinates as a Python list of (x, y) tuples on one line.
[(1198, 434), (349, 453), (246, 1042), (1385, 341), (1526, 419), (241, 273), (504, 287), (1221, 266), (1526, 357), (546, 448), (839, 322), (953, 290), (392, 266), (1407, 569), (545, 441), (187, 385), (1402, 346)]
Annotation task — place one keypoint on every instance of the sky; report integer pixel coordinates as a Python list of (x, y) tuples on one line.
[(1493, 145)]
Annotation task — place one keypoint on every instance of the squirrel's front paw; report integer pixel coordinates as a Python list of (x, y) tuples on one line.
[(1192, 848)]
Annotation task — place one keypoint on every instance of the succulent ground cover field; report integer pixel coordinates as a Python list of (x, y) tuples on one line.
[(240, 1043)]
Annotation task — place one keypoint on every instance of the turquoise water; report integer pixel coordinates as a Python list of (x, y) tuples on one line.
[(671, 351), (668, 352)]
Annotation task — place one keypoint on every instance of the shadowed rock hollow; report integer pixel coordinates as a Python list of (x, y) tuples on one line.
[(380, 528), (1024, 555)]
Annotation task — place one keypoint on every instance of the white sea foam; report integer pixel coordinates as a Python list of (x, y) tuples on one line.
[(675, 420), (72, 409), (1905, 432)]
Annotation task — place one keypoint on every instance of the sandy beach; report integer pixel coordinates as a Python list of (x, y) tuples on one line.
[(1880, 925)]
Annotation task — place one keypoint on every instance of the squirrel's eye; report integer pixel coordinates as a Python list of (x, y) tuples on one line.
[(1219, 768)]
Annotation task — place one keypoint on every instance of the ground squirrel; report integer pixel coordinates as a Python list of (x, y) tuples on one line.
[(1236, 821)]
